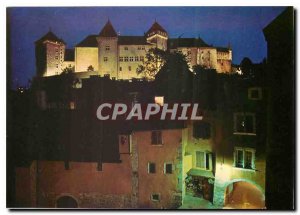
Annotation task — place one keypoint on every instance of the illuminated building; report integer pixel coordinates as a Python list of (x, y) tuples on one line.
[(118, 56)]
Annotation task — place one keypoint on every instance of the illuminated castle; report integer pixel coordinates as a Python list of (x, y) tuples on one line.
[(118, 57)]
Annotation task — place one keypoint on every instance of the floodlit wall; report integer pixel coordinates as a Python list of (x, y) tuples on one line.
[(85, 57)]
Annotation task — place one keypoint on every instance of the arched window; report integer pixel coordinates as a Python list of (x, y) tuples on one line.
[(66, 202)]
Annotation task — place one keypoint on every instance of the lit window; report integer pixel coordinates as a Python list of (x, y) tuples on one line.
[(151, 168), (204, 160), (125, 48), (155, 197), (72, 105), (255, 93), (168, 168), (129, 68), (156, 138), (107, 48), (136, 58), (130, 58), (105, 59), (125, 59), (244, 123), (120, 69), (244, 158), (159, 100), (121, 59)]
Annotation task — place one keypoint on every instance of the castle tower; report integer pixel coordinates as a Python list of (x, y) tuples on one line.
[(158, 36), (49, 54), (108, 51)]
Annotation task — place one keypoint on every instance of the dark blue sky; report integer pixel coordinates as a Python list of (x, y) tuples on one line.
[(241, 26)]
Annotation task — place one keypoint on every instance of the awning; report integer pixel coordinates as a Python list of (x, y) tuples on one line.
[(200, 172)]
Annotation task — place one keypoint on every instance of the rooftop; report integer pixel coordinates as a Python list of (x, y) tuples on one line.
[(51, 37), (108, 30)]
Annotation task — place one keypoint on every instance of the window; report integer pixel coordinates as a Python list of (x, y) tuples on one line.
[(168, 168), (56, 57), (105, 59), (136, 58), (159, 100), (141, 58), (156, 138), (120, 69), (204, 160), (125, 48), (201, 130), (121, 59), (244, 158), (56, 65), (155, 197), (72, 105), (244, 123), (143, 48), (107, 48), (255, 93), (56, 50), (139, 48), (130, 58), (129, 68), (151, 168), (125, 59)]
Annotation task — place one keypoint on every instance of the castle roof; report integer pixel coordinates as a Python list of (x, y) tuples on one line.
[(222, 49), (155, 28), (89, 41), (108, 30), (51, 37), (186, 42), (69, 55), (132, 40)]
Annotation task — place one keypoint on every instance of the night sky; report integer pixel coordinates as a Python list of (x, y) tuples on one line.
[(218, 26)]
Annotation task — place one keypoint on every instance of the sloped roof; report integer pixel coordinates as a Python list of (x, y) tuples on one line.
[(69, 55), (222, 49), (132, 40), (155, 28), (108, 30), (49, 36), (186, 42), (89, 41)]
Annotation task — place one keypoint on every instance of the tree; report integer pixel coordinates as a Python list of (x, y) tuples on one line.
[(247, 68), (174, 79), (90, 68), (155, 59)]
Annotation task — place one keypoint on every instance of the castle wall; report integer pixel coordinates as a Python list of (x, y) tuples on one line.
[(133, 53), (108, 56), (207, 57), (85, 57), (55, 57), (224, 59)]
